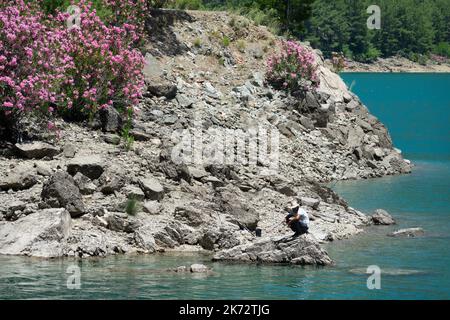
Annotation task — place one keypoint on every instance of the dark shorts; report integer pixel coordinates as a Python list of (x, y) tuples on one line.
[(299, 228)]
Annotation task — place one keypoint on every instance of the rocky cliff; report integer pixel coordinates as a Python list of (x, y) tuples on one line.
[(177, 188)]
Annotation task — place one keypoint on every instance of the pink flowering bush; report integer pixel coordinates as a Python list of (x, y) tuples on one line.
[(293, 69), (47, 68), (32, 63), (106, 70)]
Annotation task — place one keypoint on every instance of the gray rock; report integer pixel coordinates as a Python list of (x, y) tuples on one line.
[(257, 52), (60, 191), (407, 233), (111, 120), (307, 123), (144, 239), (43, 169), (235, 204), (184, 101), (310, 202), (121, 222), (152, 207), (286, 189), (303, 250), (197, 173), (99, 221), (152, 188), (84, 184), (209, 239), (170, 119), (12, 209), (352, 105), (40, 234), (163, 90), (36, 150), (216, 183), (211, 91), (111, 182), (69, 150), (134, 192), (90, 166), (112, 139), (199, 268), (191, 215), (21, 178), (140, 135), (381, 217)]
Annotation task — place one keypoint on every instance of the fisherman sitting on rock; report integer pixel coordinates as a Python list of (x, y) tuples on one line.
[(297, 219)]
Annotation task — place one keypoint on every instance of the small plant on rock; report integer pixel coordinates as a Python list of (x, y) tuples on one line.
[(132, 206)]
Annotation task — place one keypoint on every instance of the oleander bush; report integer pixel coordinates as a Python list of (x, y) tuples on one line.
[(292, 69), (49, 69)]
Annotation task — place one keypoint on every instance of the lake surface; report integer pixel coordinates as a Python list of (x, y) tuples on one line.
[(416, 109)]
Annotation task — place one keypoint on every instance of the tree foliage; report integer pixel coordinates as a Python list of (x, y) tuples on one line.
[(408, 27)]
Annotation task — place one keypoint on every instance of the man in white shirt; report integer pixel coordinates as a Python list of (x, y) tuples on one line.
[(298, 220)]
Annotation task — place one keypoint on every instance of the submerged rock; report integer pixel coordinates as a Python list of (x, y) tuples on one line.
[(303, 250), (199, 268), (389, 272), (38, 235), (408, 233)]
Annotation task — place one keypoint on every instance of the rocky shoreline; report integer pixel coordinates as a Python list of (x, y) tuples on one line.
[(85, 193), (396, 64)]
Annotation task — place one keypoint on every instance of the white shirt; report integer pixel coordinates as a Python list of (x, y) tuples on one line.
[(304, 219)]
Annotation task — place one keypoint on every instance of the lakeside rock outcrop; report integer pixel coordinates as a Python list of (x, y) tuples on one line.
[(107, 199)]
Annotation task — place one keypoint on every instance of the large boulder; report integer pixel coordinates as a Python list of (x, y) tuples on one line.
[(36, 150), (90, 166), (40, 234), (303, 250), (60, 191), (381, 217)]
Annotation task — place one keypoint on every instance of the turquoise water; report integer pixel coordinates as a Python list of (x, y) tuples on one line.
[(420, 199), (414, 106)]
